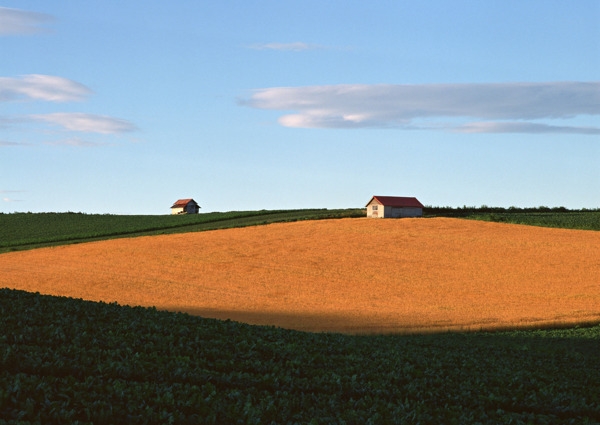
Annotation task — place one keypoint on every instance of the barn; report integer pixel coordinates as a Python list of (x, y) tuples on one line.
[(185, 206), (394, 207)]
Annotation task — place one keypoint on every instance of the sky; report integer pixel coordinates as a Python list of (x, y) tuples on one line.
[(124, 107)]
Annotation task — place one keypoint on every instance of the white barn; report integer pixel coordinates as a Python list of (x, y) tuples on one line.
[(394, 207)]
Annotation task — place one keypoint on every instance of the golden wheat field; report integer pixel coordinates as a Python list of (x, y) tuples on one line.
[(350, 275)]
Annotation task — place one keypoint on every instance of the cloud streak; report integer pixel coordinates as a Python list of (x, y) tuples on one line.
[(22, 22), (401, 106), (522, 127), (42, 87), (88, 123), (7, 199), (7, 143), (76, 142), (288, 47)]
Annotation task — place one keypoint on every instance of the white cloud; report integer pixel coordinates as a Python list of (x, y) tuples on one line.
[(42, 87), (57, 89), (388, 105), (292, 47), (11, 200), (16, 21), (89, 123)]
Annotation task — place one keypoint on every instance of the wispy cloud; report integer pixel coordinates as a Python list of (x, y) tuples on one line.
[(522, 127), (76, 142), (7, 199), (8, 143), (16, 21), (401, 106), (42, 87), (290, 47), (51, 88), (89, 123)]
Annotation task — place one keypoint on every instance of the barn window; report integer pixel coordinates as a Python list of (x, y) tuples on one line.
[(374, 207)]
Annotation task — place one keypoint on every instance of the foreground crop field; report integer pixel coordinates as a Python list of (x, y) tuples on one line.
[(348, 275), (66, 361)]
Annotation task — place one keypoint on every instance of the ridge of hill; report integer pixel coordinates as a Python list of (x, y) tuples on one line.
[(23, 231)]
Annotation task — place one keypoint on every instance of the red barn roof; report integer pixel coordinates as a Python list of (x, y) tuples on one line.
[(182, 203), (397, 201)]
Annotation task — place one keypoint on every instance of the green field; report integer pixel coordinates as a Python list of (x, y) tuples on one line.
[(72, 361), (19, 231), (541, 216), (567, 220)]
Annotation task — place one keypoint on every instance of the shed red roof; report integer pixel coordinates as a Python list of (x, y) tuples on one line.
[(397, 201), (182, 203)]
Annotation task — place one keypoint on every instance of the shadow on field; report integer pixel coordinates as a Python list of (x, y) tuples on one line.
[(369, 325)]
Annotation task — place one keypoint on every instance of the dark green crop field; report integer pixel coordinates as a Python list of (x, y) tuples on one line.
[(71, 361), (567, 220), (541, 216), (20, 231)]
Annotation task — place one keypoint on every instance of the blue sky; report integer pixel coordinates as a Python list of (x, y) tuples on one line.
[(118, 107)]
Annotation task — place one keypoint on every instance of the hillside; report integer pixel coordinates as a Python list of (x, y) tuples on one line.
[(65, 360), (347, 275)]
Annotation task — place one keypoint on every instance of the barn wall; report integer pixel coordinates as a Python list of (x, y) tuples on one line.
[(374, 213), (191, 208), (176, 210), (406, 212)]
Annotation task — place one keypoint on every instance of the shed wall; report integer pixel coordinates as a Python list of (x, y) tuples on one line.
[(192, 208), (375, 213), (405, 212)]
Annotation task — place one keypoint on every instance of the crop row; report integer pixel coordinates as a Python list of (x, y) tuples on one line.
[(71, 361)]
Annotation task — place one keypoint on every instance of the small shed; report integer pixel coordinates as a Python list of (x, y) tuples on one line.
[(394, 207), (185, 206)]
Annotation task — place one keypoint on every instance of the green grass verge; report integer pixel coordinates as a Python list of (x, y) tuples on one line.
[(20, 231), (71, 361)]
